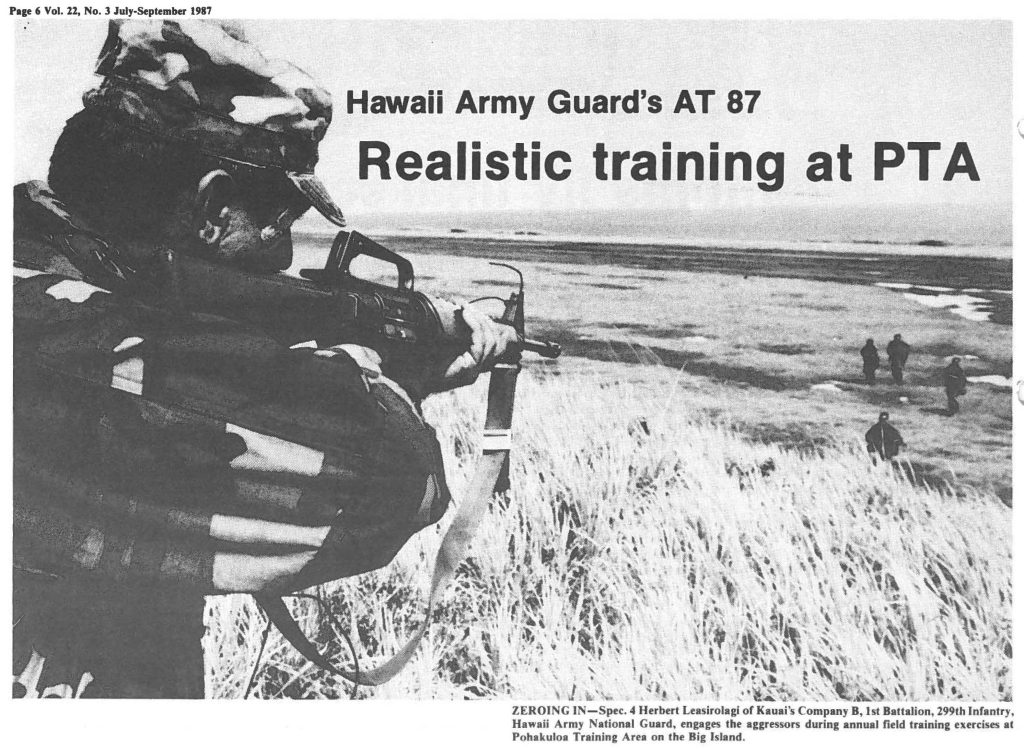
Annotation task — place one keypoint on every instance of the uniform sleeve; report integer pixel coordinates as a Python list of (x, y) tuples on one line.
[(195, 450)]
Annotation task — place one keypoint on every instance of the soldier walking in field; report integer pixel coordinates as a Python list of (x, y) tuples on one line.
[(871, 361), (898, 351), (883, 438), (955, 382)]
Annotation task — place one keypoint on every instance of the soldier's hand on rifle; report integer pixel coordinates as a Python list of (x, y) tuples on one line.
[(489, 341)]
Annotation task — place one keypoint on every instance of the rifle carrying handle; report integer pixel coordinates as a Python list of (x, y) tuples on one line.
[(350, 245)]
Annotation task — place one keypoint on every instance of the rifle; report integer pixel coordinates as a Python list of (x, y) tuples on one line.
[(331, 306)]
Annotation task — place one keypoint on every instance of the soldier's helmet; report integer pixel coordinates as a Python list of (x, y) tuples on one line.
[(202, 82), (884, 416)]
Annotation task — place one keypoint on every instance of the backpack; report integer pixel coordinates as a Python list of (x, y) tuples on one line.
[(197, 452), (161, 446)]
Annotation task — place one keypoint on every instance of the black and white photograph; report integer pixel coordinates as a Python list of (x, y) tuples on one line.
[(545, 361)]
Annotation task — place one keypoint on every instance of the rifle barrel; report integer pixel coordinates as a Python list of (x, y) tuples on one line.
[(548, 349)]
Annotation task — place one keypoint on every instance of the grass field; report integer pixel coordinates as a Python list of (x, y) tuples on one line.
[(690, 518), (748, 350)]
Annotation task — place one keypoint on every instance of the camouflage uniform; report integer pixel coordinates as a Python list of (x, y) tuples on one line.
[(162, 455)]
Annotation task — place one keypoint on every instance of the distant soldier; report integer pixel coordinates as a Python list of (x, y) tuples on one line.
[(883, 438), (955, 382), (871, 361), (898, 351)]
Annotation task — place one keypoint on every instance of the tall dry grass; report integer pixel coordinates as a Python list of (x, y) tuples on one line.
[(678, 561)]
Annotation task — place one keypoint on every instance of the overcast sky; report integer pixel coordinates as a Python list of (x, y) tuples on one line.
[(822, 84)]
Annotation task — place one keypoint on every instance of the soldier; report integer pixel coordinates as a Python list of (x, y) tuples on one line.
[(898, 351), (132, 418), (955, 382), (871, 361), (883, 438)]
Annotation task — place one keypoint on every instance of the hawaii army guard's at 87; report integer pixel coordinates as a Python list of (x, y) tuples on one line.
[(156, 447)]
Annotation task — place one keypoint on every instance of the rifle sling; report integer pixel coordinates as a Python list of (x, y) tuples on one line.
[(454, 548)]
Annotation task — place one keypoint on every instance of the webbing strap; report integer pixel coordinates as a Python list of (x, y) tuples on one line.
[(454, 548)]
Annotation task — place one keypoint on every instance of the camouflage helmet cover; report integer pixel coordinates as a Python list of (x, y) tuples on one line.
[(204, 83)]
